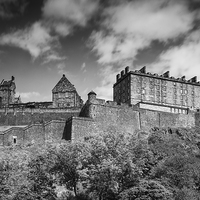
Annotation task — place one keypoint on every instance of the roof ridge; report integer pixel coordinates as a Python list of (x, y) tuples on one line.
[(64, 85)]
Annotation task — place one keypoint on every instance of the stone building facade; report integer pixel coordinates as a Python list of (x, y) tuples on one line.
[(64, 94), (162, 91), (7, 92)]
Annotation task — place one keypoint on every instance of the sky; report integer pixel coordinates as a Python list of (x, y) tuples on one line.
[(91, 41)]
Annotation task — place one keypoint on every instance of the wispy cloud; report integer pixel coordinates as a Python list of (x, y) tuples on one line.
[(131, 26), (53, 57), (108, 74), (181, 60), (83, 67), (68, 14), (11, 8), (76, 12), (35, 39), (41, 39)]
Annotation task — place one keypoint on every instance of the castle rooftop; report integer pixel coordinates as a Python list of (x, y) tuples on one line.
[(164, 76), (64, 85)]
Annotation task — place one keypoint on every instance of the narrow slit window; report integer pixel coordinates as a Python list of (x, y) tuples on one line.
[(14, 139)]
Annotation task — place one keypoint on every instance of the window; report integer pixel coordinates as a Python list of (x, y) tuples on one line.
[(14, 139), (158, 81)]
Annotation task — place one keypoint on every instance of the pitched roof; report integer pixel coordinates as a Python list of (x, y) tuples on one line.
[(64, 85)]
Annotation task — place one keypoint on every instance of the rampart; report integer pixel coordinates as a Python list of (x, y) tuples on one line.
[(98, 116), (34, 133), (27, 116)]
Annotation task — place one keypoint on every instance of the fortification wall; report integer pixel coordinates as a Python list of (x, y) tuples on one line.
[(31, 116), (54, 130), (100, 116), (35, 133), (8, 136), (108, 116)]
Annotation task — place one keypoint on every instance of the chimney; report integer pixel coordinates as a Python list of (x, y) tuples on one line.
[(143, 70), (194, 79), (122, 73), (117, 77), (127, 70), (183, 78), (166, 74)]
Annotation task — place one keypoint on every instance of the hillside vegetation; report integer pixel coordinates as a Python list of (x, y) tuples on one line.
[(160, 165)]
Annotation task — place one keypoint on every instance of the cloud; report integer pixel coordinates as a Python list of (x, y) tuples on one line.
[(64, 15), (77, 12), (127, 27), (28, 95), (83, 67), (41, 39), (11, 8), (62, 69), (181, 60), (35, 39), (62, 29), (132, 26), (53, 57), (108, 74)]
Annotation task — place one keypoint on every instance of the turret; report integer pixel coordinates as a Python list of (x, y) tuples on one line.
[(92, 96)]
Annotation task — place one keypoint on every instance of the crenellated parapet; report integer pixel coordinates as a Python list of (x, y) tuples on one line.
[(164, 76), (137, 86)]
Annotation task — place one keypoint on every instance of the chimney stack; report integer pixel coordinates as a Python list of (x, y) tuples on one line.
[(166, 74)]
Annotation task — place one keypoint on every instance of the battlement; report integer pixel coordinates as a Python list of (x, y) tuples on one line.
[(164, 76), (132, 87)]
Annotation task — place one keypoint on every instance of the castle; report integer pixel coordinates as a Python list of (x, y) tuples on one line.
[(151, 91), (64, 95), (140, 101)]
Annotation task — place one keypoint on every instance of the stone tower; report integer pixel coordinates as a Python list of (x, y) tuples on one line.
[(7, 92), (64, 95)]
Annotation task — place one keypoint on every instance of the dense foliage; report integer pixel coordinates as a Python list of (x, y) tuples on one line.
[(160, 165)]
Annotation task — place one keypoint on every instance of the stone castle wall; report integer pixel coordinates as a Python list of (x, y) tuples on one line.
[(27, 116), (96, 117), (100, 116), (35, 133)]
